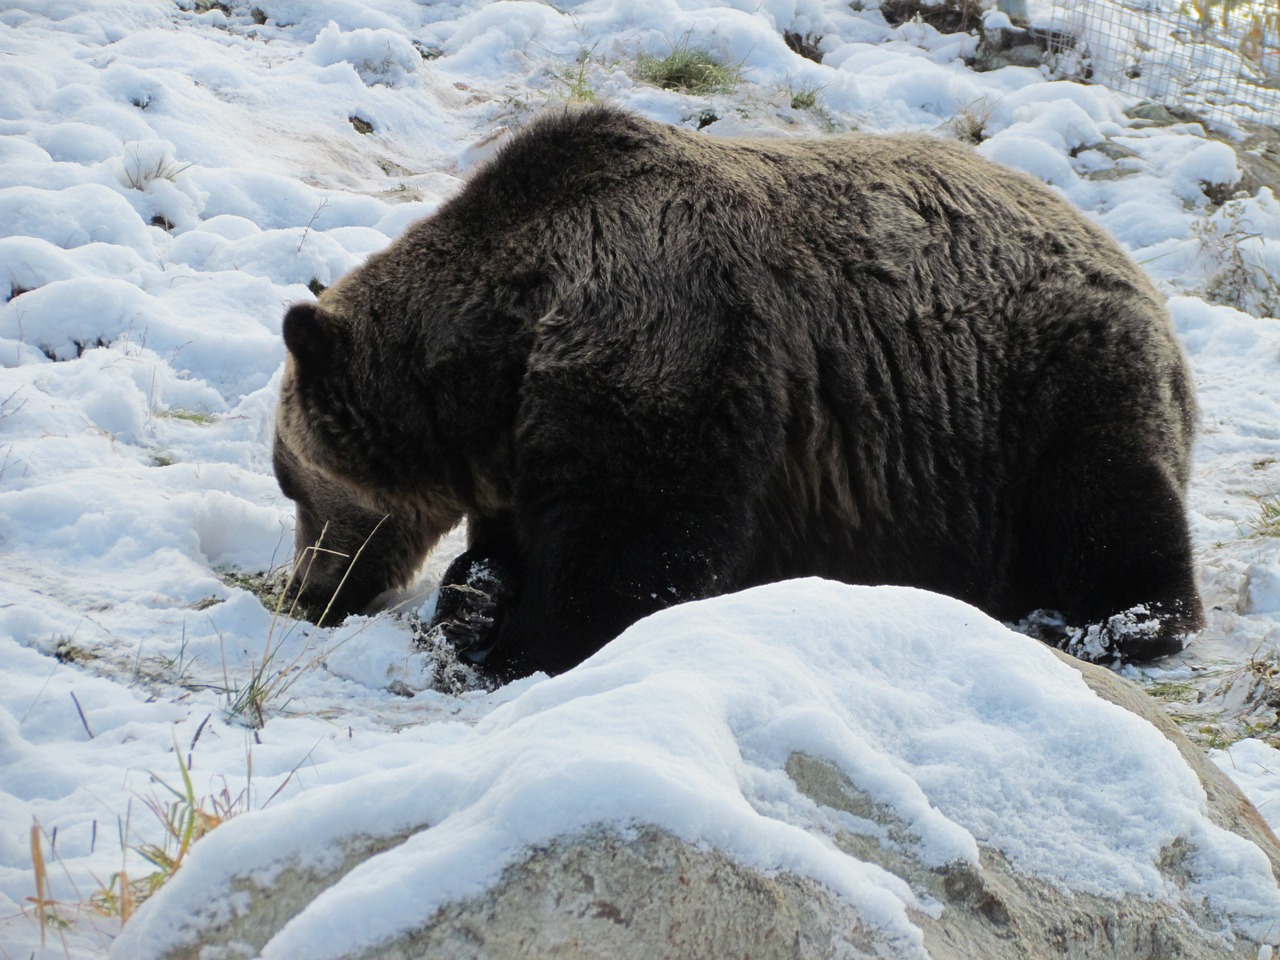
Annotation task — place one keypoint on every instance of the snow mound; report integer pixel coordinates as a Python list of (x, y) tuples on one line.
[(967, 732)]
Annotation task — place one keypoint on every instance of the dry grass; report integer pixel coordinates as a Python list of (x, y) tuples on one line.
[(45, 906), (184, 819), (272, 678), (1267, 521), (140, 173), (1238, 275), (969, 124), (183, 816)]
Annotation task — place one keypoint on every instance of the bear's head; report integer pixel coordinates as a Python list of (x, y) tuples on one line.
[(345, 452), (387, 437), (346, 551)]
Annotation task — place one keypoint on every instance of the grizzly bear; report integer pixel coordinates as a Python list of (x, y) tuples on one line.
[(649, 365)]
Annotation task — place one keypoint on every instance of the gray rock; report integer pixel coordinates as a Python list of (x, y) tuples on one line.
[(1009, 46), (601, 896), (604, 896), (644, 893), (1228, 807), (1110, 149)]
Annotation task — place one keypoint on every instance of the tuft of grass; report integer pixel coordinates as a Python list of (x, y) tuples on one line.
[(166, 669), (271, 679), (689, 69), (806, 98), (139, 173), (969, 123), (247, 703), (188, 416), (184, 819), (66, 650), (803, 97), (1267, 521), (1238, 276), (574, 83), (120, 897)]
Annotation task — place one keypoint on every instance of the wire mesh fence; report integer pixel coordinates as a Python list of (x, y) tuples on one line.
[(1218, 59)]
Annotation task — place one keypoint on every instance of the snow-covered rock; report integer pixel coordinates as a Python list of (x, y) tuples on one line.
[(803, 769)]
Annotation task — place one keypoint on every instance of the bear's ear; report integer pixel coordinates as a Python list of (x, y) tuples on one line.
[(304, 334)]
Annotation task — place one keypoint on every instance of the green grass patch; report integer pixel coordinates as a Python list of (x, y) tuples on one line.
[(575, 84), (1267, 521), (270, 587), (1173, 692), (689, 69), (188, 416), (804, 98)]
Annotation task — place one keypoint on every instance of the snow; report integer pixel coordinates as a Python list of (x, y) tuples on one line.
[(961, 727), (170, 181)]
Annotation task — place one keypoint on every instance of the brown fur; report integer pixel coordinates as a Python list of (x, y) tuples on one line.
[(654, 365)]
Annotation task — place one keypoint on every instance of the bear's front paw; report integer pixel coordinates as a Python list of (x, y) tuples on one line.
[(471, 623), (474, 596)]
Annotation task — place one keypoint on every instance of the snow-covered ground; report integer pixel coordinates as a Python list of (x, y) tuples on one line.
[(170, 180)]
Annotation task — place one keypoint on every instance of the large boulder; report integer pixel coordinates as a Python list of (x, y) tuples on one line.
[(803, 770)]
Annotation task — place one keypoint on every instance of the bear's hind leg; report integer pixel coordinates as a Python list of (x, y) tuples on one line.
[(1108, 548)]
